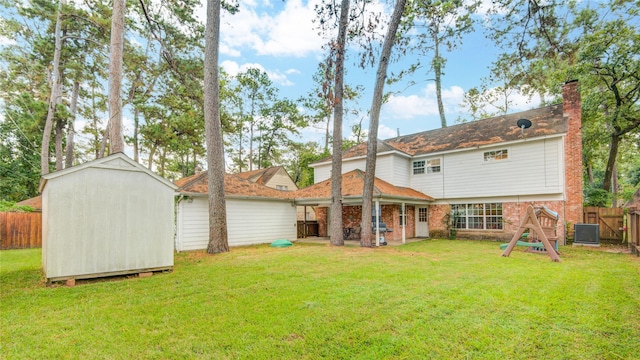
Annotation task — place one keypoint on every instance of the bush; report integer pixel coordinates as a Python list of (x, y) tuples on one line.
[(9, 206)]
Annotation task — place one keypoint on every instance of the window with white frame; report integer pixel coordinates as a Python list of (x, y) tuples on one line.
[(418, 167), (403, 215), (433, 166), (282, 187), (496, 155), (487, 216)]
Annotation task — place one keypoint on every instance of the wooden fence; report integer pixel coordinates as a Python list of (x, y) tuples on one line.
[(610, 219), (20, 230), (633, 230)]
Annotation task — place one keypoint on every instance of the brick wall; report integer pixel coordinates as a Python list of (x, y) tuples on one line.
[(573, 153), (512, 214), (352, 217)]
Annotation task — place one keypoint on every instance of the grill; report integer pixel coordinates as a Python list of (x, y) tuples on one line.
[(383, 230)]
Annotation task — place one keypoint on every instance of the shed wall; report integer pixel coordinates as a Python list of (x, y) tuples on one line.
[(102, 220)]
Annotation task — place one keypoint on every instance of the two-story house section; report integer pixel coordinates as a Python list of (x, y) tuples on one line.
[(483, 174)]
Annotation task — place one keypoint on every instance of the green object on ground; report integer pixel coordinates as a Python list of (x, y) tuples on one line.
[(523, 243), (281, 243)]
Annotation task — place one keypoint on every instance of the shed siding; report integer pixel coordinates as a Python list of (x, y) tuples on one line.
[(101, 220), (531, 169), (248, 222)]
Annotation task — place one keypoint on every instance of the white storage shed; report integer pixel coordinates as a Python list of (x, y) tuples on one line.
[(110, 216), (256, 214)]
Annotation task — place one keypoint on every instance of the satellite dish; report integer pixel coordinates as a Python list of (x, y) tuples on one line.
[(524, 124)]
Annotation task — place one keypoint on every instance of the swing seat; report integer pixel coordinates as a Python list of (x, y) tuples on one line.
[(524, 243)]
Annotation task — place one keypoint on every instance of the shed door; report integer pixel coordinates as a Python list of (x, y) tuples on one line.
[(422, 222)]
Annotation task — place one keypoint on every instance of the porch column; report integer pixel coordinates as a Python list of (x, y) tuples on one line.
[(404, 223), (377, 223)]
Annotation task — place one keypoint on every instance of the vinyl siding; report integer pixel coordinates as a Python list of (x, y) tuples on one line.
[(390, 168), (248, 222), (533, 168), (283, 179)]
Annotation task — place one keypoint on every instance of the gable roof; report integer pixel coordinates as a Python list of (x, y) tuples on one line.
[(260, 176), (233, 186), (546, 121), (352, 187), (117, 161)]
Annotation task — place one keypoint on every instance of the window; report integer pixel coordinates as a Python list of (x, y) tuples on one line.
[(418, 167), (477, 216), (282, 187), (433, 166), (496, 155), (423, 215)]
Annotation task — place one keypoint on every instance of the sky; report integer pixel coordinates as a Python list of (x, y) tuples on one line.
[(281, 38)]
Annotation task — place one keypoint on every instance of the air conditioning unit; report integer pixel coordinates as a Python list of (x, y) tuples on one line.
[(587, 234)]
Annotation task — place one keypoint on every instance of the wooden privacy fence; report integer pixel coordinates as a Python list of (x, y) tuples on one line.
[(633, 228), (20, 230), (610, 220)]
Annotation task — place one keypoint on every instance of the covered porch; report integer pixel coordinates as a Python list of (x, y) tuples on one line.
[(398, 213)]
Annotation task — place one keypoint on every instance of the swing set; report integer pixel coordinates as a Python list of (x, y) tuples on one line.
[(542, 238)]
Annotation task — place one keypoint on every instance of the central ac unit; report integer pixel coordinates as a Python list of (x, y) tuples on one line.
[(587, 234)]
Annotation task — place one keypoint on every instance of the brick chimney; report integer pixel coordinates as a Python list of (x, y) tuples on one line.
[(573, 153)]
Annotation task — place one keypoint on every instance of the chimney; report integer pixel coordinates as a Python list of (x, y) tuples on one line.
[(573, 153)]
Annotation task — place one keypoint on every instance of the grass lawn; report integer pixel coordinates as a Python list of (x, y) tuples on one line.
[(437, 299)]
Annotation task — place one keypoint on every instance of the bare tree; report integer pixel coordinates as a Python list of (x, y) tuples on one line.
[(115, 77), (376, 104), (218, 240)]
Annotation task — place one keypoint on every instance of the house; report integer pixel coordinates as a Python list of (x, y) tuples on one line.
[(110, 216), (480, 175), (277, 177), (256, 214)]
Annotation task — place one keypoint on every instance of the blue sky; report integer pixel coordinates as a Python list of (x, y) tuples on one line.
[(280, 38)]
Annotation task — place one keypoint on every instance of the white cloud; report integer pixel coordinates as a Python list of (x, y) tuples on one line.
[(233, 68), (423, 104), (7, 41)]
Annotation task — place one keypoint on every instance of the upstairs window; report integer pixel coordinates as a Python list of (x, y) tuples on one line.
[(433, 166), (418, 167), (282, 187), (496, 155)]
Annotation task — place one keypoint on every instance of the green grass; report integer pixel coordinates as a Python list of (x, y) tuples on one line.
[(437, 299)]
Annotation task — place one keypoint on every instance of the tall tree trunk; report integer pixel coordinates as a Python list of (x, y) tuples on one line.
[(326, 135), (613, 154), (372, 143), (218, 239), (337, 237), (152, 153), (68, 158), (55, 94), (437, 68), (115, 77), (59, 154), (251, 145), (105, 138), (163, 158), (136, 129)]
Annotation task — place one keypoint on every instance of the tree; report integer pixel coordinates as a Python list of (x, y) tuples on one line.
[(218, 238), (116, 139), (376, 104), (54, 97), (556, 42), (440, 24)]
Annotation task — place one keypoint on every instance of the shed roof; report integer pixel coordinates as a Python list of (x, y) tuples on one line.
[(117, 161), (34, 202)]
